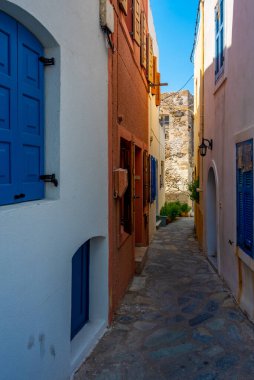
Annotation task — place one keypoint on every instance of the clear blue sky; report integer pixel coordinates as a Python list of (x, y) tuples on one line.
[(175, 25)]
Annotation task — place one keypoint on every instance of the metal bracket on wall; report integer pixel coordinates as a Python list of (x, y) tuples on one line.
[(47, 61), (49, 178)]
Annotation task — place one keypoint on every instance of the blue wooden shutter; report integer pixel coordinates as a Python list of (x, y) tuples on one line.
[(221, 33), (80, 289), (240, 208), (153, 179), (21, 113), (30, 114), (248, 212), (245, 196), (8, 109), (219, 38)]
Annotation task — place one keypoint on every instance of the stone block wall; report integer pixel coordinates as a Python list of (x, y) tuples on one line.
[(176, 112)]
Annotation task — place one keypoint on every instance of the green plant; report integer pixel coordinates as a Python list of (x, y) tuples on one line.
[(164, 210), (171, 210), (192, 188), (185, 207), (174, 210)]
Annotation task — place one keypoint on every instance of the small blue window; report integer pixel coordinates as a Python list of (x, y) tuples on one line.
[(21, 113), (219, 40), (80, 289), (244, 176)]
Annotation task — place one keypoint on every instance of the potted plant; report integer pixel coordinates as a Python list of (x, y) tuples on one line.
[(193, 190), (185, 209), (164, 215)]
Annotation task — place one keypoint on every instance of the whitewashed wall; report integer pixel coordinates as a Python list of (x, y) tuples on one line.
[(38, 239)]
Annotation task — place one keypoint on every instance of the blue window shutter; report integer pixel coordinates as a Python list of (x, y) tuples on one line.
[(80, 289), (240, 208), (21, 113), (219, 39), (8, 109), (153, 179), (248, 212), (30, 115), (245, 196)]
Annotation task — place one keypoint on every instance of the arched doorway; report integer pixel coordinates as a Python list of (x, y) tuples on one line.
[(211, 219)]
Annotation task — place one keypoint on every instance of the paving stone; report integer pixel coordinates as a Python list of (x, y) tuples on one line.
[(119, 326), (172, 351), (138, 283), (190, 308), (212, 306), (163, 337), (216, 324), (235, 315), (214, 351), (201, 334), (200, 318), (144, 326), (125, 319), (207, 376), (179, 318), (234, 333), (226, 362), (183, 300), (177, 321), (228, 303)]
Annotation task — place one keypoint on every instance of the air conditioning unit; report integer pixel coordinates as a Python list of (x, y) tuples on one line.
[(107, 16)]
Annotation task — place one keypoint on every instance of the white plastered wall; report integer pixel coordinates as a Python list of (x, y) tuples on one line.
[(38, 239)]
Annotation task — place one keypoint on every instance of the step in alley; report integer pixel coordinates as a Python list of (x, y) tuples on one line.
[(177, 320)]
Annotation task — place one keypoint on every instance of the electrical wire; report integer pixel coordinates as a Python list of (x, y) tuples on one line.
[(186, 83), (176, 92)]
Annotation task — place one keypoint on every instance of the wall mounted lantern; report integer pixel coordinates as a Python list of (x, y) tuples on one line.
[(206, 144)]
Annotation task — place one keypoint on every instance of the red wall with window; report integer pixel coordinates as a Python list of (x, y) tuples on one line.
[(128, 124)]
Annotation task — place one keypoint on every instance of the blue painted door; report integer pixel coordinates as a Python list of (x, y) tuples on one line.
[(80, 289), (21, 113)]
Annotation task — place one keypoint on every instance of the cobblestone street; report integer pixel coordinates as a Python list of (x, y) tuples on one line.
[(177, 320)]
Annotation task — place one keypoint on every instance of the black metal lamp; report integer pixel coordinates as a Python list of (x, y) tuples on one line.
[(206, 144)]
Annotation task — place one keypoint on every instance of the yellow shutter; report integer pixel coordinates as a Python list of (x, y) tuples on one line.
[(150, 59), (143, 55), (136, 21), (123, 5), (158, 89), (154, 89)]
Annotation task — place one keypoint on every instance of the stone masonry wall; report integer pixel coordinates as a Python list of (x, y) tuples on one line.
[(177, 116)]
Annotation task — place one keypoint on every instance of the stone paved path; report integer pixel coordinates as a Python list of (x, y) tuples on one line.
[(177, 321)]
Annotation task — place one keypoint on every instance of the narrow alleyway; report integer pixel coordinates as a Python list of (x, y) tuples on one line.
[(177, 321)]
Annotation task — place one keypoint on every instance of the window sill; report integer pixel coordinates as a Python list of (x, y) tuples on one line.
[(219, 83), (246, 259)]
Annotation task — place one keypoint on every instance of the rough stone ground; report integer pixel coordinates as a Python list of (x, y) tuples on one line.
[(177, 321)]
